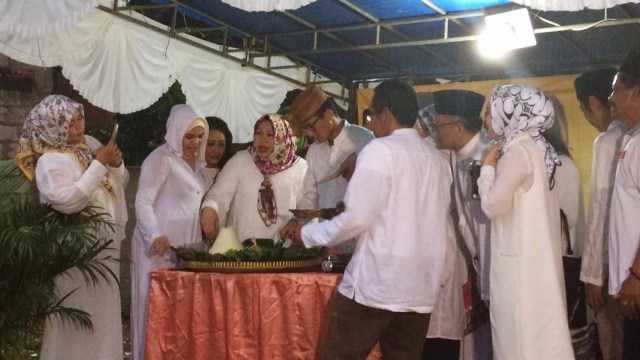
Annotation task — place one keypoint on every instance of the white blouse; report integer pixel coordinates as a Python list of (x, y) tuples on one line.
[(234, 196)]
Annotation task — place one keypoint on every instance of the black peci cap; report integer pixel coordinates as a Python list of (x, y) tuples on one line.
[(458, 103)]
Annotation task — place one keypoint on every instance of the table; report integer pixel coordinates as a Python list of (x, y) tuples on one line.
[(270, 316)]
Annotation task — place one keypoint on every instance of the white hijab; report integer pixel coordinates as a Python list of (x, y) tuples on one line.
[(178, 124)]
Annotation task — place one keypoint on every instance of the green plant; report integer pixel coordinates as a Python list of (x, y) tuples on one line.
[(38, 244)]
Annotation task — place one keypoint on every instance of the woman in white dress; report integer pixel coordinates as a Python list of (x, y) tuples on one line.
[(218, 150), (70, 177), (268, 173), (168, 202), (528, 310)]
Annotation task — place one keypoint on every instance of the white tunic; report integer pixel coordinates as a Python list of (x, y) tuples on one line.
[(167, 204), (568, 190), (234, 196), (475, 220), (595, 257), (447, 319), (528, 310), (324, 160), (394, 208), (65, 185), (624, 228)]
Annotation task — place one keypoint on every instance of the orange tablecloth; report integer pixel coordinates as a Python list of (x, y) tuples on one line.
[(266, 316)]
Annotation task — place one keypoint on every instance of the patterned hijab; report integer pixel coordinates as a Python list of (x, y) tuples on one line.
[(282, 158), (46, 130), (518, 109)]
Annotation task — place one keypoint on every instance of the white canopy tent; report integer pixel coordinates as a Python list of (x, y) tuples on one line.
[(123, 67), (125, 64)]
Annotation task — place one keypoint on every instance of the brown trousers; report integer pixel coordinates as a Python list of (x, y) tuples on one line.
[(354, 329)]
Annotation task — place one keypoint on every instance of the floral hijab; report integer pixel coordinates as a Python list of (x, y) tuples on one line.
[(282, 158), (518, 109), (46, 130)]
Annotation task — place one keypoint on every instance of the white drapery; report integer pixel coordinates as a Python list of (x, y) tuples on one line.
[(267, 5), (571, 5), (124, 67)]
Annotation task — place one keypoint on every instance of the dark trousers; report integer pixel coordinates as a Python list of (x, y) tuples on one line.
[(631, 340), (354, 329), (441, 349)]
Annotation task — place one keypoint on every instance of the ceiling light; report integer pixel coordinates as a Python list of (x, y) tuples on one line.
[(506, 31)]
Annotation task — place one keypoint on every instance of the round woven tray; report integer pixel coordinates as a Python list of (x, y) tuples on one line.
[(249, 267)]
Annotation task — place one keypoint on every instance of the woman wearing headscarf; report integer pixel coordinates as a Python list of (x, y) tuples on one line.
[(528, 310), (168, 202), (258, 186), (70, 177)]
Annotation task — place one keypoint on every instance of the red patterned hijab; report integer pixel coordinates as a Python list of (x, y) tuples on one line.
[(282, 158)]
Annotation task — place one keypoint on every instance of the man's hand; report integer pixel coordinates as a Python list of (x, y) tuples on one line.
[(629, 298), (296, 235), (209, 224), (160, 246), (287, 231), (345, 169), (595, 297)]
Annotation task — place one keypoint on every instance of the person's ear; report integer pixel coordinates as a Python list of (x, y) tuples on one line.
[(593, 103)]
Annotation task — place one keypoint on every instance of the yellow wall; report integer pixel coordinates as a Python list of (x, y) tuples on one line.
[(581, 134)]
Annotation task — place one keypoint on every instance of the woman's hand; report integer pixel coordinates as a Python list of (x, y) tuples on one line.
[(160, 246), (209, 224), (492, 155), (109, 155)]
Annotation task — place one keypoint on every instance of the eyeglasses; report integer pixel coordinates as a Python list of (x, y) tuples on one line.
[(319, 114), (368, 114), (312, 125)]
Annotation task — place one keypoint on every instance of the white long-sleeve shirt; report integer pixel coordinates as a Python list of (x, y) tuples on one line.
[(323, 160), (595, 257), (397, 205), (624, 227)]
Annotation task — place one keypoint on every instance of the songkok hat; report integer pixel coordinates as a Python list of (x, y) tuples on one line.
[(306, 105), (596, 83), (631, 65), (458, 103)]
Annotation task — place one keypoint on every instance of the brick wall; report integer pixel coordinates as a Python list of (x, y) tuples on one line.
[(21, 88)]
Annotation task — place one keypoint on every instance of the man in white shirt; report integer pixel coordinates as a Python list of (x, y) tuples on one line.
[(456, 126), (592, 90), (334, 140), (624, 227), (394, 208)]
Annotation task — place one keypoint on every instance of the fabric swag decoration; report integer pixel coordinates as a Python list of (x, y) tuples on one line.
[(518, 109), (282, 158), (46, 130)]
